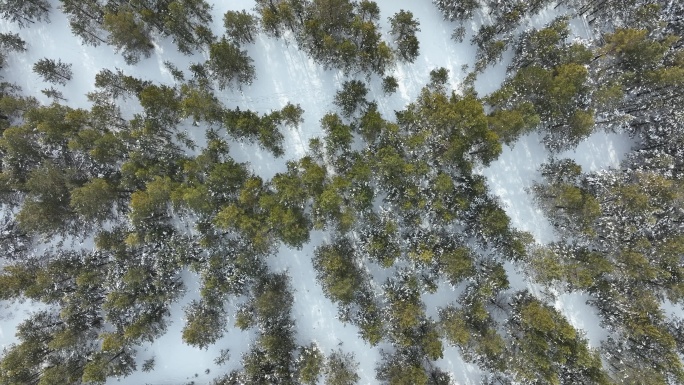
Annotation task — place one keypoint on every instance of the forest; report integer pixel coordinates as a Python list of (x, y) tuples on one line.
[(113, 210)]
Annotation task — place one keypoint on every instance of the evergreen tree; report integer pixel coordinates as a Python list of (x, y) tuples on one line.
[(341, 369), (404, 28), (351, 97), (128, 34), (389, 85), (230, 66), (311, 364), (25, 12), (457, 9), (85, 20), (53, 71), (241, 27)]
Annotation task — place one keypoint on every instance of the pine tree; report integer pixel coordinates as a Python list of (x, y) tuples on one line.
[(10, 42), (128, 34), (241, 27), (457, 9), (404, 28), (25, 12), (389, 85), (230, 66), (351, 97), (341, 369), (53, 71), (85, 20)]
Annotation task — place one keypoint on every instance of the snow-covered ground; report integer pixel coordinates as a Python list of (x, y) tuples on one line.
[(285, 74)]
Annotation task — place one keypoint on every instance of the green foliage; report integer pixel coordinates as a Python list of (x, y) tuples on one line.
[(150, 206), (341, 369), (45, 211), (402, 368), (633, 50), (404, 28), (335, 33), (457, 264), (338, 273), (204, 324), (539, 354), (457, 9), (25, 13), (10, 42), (94, 200), (229, 65), (351, 97), (311, 364), (439, 77), (240, 26), (128, 34), (53, 71), (389, 85)]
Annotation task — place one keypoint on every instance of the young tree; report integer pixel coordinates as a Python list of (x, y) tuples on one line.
[(310, 364), (53, 71), (53, 93), (389, 85), (351, 97), (404, 28), (341, 369)]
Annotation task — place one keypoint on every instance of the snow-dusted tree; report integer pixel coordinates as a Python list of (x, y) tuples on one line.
[(337, 271), (310, 364), (341, 369), (457, 9), (53, 93), (402, 367), (12, 42), (186, 22), (389, 85), (404, 28), (205, 323), (53, 71)]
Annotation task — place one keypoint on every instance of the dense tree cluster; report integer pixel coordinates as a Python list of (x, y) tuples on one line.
[(398, 197), (131, 26), (621, 228), (341, 34)]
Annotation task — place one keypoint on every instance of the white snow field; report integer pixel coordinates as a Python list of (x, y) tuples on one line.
[(286, 74)]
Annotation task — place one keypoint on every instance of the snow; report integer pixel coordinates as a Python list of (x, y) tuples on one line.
[(316, 316), (582, 316), (286, 74)]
